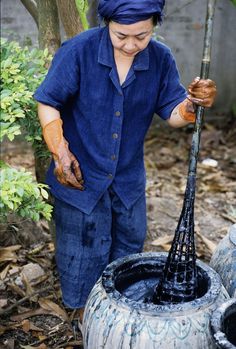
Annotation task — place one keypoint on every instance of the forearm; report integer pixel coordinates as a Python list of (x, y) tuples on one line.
[(67, 168), (47, 114), (51, 124), (182, 114)]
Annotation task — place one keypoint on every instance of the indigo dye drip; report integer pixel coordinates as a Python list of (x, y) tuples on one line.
[(179, 283)]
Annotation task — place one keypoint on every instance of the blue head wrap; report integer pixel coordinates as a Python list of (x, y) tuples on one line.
[(130, 11)]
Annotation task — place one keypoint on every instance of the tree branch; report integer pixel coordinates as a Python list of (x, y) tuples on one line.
[(22, 300), (31, 7)]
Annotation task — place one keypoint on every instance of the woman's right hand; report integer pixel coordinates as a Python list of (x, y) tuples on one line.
[(67, 169)]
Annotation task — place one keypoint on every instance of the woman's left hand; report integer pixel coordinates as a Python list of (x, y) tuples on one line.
[(202, 92)]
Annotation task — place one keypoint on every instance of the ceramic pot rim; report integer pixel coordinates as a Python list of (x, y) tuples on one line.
[(217, 321), (207, 299)]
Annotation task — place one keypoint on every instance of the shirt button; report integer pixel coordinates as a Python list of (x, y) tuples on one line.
[(110, 176), (117, 113), (115, 135), (113, 157)]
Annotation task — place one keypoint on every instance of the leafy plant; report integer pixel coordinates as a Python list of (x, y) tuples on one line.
[(82, 7), (22, 195), (22, 71)]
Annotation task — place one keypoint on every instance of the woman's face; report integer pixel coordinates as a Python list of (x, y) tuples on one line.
[(130, 39)]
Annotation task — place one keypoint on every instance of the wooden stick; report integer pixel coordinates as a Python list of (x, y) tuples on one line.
[(22, 300)]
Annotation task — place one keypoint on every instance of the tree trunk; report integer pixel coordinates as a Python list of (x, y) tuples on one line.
[(92, 13), (49, 29), (69, 17), (49, 37)]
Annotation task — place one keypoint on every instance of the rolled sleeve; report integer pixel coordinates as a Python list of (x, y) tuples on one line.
[(62, 80), (171, 91)]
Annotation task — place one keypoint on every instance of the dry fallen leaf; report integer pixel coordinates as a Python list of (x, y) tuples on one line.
[(229, 217), (53, 308), (13, 248), (209, 244), (42, 346), (4, 272), (28, 314), (16, 289), (27, 285), (162, 240), (3, 329), (25, 325), (51, 247), (35, 328), (7, 255), (3, 302)]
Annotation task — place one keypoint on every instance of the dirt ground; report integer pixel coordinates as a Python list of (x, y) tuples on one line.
[(33, 315)]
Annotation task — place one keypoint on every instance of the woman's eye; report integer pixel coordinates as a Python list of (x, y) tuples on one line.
[(141, 38)]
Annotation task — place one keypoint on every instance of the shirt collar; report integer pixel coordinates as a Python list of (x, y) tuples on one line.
[(106, 57), (105, 50)]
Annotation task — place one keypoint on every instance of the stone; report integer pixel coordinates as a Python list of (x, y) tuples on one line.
[(32, 271)]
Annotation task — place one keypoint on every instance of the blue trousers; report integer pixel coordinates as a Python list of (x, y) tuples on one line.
[(86, 244)]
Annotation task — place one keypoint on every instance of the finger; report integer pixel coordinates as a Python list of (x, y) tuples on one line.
[(198, 101), (202, 92), (194, 82), (60, 176), (199, 94), (210, 83), (203, 84), (77, 171), (72, 181), (66, 177), (207, 102), (204, 102)]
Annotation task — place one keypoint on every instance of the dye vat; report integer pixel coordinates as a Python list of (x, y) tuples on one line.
[(119, 313), (223, 325), (224, 261)]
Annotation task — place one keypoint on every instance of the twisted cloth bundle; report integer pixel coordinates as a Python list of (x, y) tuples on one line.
[(130, 11)]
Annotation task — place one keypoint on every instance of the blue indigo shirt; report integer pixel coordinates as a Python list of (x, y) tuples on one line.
[(106, 123)]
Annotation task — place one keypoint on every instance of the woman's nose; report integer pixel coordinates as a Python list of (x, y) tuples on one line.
[(130, 44)]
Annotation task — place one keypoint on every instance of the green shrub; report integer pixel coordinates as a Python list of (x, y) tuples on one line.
[(22, 71), (22, 195)]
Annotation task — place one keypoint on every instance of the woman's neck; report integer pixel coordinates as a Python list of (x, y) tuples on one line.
[(123, 64)]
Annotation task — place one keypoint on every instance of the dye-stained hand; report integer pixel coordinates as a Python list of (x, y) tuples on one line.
[(202, 92), (67, 169)]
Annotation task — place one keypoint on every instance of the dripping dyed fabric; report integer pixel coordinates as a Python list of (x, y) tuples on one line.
[(130, 11)]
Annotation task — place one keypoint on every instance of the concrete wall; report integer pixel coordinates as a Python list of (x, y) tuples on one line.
[(182, 30)]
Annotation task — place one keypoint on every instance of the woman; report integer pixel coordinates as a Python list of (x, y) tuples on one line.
[(95, 107)]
